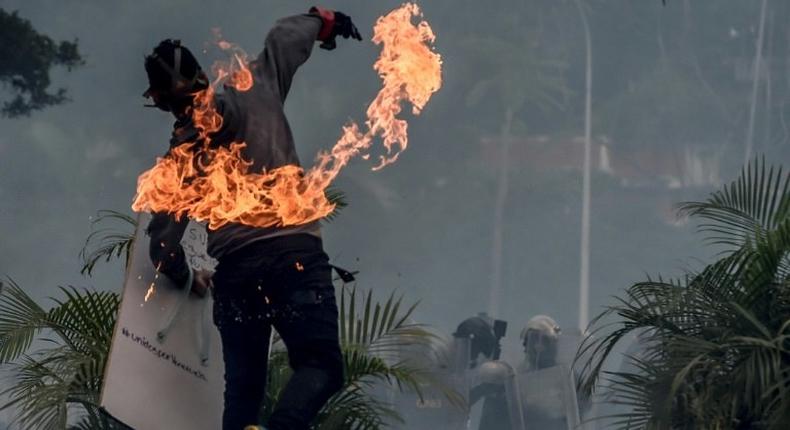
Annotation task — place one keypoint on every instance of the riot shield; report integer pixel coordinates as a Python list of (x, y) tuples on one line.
[(548, 398), (514, 403), (569, 344), (165, 368), (431, 409), (496, 386)]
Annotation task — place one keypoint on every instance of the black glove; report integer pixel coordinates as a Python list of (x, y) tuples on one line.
[(344, 28)]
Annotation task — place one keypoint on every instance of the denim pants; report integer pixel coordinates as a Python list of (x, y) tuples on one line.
[(284, 282)]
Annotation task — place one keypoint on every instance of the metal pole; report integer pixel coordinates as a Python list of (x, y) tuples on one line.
[(584, 270)]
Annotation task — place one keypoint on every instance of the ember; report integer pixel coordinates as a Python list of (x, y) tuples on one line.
[(152, 288)]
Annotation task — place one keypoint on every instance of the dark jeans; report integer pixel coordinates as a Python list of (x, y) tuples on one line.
[(285, 282)]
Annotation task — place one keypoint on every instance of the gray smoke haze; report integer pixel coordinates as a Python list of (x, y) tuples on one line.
[(670, 111)]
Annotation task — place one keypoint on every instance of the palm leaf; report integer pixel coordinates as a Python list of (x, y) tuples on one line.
[(338, 199), (86, 319), (38, 395), (756, 202), (354, 409), (46, 385), (108, 243), (21, 319), (371, 336)]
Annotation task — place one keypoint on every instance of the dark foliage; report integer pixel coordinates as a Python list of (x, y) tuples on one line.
[(713, 348), (27, 57)]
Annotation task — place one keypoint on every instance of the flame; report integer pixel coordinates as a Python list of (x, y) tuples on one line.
[(216, 185), (235, 72)]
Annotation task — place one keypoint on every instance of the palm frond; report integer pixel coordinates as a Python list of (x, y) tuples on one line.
[(716, 350), (278, 375), (337, 198), (372, 334), (354, 409), (382, 344), (21, 319), (756, 202), (108, 243), (39, 395), (94, 418), (85, 319), (49, 383)]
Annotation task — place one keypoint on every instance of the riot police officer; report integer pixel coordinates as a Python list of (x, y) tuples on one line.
[(488, 375), (540, 338), (546, 385)]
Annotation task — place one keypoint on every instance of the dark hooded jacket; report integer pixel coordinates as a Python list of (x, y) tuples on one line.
[(255, 116)]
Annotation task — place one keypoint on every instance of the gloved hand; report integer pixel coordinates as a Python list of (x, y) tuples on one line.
[(201, 282), (343, 27)]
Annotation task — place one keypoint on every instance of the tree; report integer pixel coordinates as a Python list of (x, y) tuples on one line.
[(715, 346), (50, 383), (517, 75), (28, 57), (680, 61)]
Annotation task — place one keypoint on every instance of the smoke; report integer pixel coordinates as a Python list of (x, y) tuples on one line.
[(665, 84)]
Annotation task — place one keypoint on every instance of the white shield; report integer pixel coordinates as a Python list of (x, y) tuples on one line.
[(548, 398), (433, 410), (165, 368)]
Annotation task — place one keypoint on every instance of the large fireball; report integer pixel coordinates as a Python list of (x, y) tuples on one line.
[(219, 188)]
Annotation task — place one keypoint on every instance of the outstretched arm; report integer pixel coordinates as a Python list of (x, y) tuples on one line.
[(290, 42)]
